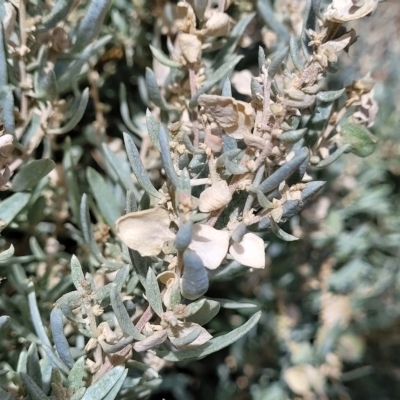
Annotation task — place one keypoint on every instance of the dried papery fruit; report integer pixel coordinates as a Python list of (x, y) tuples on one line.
[(215, 197), (194, 281), (210, 244), (145, 231), (346, 10), (249, 251)]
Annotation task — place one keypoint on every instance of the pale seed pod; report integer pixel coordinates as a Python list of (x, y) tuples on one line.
[(184, 236), (194, 281)]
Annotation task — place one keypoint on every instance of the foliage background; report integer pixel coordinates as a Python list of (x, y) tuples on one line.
[(349, 246)]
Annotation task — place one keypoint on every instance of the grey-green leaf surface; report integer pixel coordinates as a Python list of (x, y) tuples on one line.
[(33, 366), (153, 292), (330, 95), (102, 387), (6, 254), (138, 167), (206, 313), (12, 206), (122, 315), (213, 345), (76, 375), (108, 205), (76, 273), (152, 128), (160, 56), (57, 328), (113, 393), (76, 116), (281, 234), (92, 22), (29, 175), (33, 389)]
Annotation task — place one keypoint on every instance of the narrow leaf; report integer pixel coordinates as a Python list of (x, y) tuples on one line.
[(330, 96), (268, 15), (278, 232), (163, 58), (101, 388), (76, 116), (122, 315), (104, 196), (33, 366), (6, 254), (295, 54), (77, 273), (208, 310), (33, 389), (29, 175), (152, 128), (213, 345), (153, 292), (154, 91), (138, 168), (113, 393), (77, 374), (166, 157), (57, 328), (58, 13)]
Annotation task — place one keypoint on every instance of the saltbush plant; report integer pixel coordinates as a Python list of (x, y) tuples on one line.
[(117, 225)]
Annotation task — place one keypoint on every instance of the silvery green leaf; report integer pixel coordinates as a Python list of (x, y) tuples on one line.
[(138, 265), (78, 394), (295, 53), (131, 203), (91, 25), (33, 389), (316, 5), (32, 365), (278, 232), (184, 236), (12, 206), (226, 88), (215, 77), (330, 95), (185, 340), (6, 254), (77, 273), (76, 116), (211, 346), (3, 59), (283, 172), (87, 229), (57, 328), (7, 110), (227, 155), (121, 168), (345, 148), (73, 72), (234, 305), (121, 277), (320, 117), (362, 142), (137, 166), (292, 136), (166, 157), (154, 91), (72, 184), (309, 21), (76, 376), (184, 182), (5, 395), (257, 91), (122, 315), (200, 7), (152, 127), (235, 168), (208, 310), (163, 58), (4, 322), (124, 110), (268, 15), (115, 347), (113, 393), (189, 145), (58, 13), (40, 330), (298, 174), (276, 62), (153, 292), (29, 175), (102, 387), (105, 199)]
